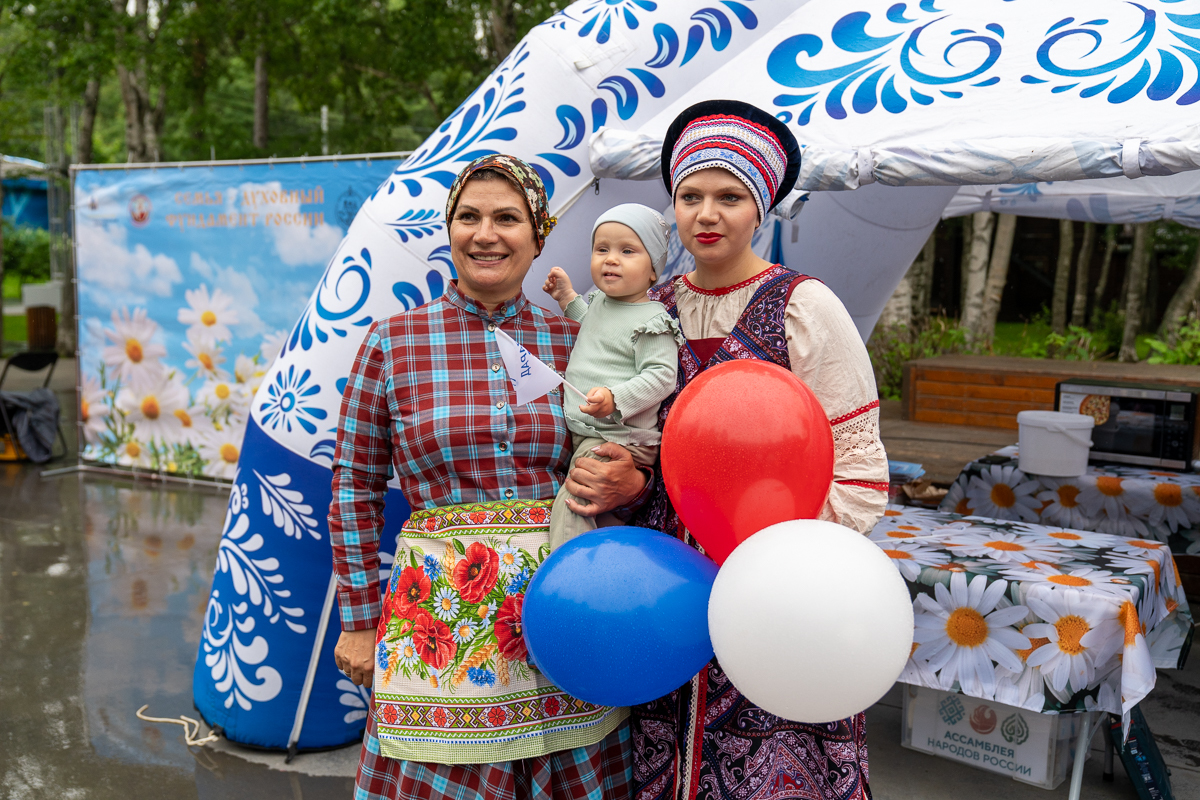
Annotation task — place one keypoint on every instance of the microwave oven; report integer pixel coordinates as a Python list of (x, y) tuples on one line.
[(1149, 425)]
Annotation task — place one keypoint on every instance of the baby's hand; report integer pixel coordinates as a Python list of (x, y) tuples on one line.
[(558, 286), (600, 403)]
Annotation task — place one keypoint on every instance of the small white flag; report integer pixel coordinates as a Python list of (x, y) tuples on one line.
[(531, 377)]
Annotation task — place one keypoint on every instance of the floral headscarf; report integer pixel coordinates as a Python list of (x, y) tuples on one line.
[(523, 177)]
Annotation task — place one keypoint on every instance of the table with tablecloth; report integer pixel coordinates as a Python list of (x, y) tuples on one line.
[(1049, 619), (1124, 500)]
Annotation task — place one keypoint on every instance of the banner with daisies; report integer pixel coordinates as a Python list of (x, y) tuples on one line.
[(1049, 619), (189, 280)]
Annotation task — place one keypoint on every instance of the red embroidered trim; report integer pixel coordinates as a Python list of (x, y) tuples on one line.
[(727, 289), (882, 487), (856, 412)]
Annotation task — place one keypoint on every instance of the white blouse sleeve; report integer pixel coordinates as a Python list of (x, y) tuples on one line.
[(829, 356)]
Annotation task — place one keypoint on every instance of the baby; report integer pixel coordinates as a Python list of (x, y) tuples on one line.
[(627, 348)]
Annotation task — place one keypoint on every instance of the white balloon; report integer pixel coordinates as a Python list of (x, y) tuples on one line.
[(810, 620)]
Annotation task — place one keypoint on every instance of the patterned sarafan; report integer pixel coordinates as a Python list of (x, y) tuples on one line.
[(429, 400)]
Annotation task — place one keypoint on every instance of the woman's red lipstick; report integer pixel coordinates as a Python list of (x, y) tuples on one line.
[(709, 238)]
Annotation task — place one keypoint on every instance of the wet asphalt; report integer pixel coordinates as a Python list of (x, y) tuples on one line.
[(103, 586)]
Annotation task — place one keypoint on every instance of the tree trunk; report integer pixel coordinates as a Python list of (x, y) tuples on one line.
[(977, 265), (1, 259), (1139, 260), (87, 122), (504, 28), (921, 278), (1110, 247), (261, 95), (1181, 303), (1083, 269), (964, 261), (898, 309), (997, 276), (133, 86), (1062, 276)]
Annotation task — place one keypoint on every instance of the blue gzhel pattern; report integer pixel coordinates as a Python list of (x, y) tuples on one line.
[(714, 24), (890, 66), (337, 303), (289, 401), (1120, 60)]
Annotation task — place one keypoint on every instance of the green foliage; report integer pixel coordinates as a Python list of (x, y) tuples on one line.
[(1186, 349), (1077, 344), (26, 254), (14, 329), (890, 347), (389, 70)]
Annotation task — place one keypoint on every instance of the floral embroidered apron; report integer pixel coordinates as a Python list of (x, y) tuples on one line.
[(453, 680)]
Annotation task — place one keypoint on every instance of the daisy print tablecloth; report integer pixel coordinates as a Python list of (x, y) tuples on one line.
[(1050, 619), (1125, 500)]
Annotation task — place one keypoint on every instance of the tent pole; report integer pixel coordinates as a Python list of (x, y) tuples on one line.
[(298, 724)]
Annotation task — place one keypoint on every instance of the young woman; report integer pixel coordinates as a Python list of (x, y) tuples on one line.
[(726, 164)]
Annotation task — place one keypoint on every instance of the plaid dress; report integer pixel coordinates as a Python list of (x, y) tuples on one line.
[(428, 402)]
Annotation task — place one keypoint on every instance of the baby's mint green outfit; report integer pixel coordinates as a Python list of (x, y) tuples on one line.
[(632, 349)]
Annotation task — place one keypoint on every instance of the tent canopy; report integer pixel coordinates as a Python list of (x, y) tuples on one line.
[(1170, 197)]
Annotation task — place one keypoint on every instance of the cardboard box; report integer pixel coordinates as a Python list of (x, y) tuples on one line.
[(1029, 747)]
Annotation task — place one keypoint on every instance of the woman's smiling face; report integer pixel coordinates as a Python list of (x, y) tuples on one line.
[(492, 242), (715, 215)]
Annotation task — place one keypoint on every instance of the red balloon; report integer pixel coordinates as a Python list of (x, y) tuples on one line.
[(745, 446)]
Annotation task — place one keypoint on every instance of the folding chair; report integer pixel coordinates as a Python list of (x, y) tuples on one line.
[(28, 361)]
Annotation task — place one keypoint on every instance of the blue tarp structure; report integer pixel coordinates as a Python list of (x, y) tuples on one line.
[(25, 202)]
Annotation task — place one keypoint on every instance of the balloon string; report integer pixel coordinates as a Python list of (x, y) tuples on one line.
[(191, 727)]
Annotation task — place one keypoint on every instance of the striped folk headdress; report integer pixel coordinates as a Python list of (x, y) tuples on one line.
[(739, 138)]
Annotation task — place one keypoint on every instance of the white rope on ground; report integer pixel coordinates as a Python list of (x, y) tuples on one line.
[(191, 727)]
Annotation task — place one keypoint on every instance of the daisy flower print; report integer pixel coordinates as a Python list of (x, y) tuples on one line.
[(963, 633), (1003, 493), (1080, 632)]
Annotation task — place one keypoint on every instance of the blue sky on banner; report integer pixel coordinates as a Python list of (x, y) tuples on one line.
[(205, 268)]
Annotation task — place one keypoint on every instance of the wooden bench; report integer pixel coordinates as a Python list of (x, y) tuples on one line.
[(988, 391)]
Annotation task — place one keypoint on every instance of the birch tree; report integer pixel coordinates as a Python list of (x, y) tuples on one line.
[(1181, 302), (920, 277), (1062, 276), (976, 277), (1083, 267), (1139, 262), (997, 274), (1110, 247)]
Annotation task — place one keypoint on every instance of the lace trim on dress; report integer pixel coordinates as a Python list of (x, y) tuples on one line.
[(727, 289), (856, 412), (856, 440)]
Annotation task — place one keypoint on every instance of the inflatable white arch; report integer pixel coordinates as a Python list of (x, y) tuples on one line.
[(915, 97), (1107, 200)]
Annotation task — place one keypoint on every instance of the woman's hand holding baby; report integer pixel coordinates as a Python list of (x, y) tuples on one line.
[(558, 286), (600, 403)]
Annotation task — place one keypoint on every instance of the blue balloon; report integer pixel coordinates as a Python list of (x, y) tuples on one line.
[(619, 616)]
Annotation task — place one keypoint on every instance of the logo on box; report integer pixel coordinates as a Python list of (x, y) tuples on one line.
[(983, 721), (951, 709), (1014, 730)]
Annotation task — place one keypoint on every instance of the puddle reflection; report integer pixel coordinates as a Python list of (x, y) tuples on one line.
[(103, 590)]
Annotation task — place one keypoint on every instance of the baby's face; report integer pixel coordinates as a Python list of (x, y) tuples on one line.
[(621, 267)]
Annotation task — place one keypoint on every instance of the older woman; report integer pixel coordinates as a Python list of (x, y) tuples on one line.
[(459, 710), (726, 164)]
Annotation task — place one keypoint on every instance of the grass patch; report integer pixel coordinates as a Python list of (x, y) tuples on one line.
[(1014, 338), (14, 329)]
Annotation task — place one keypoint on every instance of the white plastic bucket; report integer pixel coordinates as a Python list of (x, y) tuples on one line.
[(1053, 443)]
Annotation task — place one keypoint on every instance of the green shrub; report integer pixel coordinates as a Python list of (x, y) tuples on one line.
[(1077, 344), (1186, 349), (891, 346), (26, 256)]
